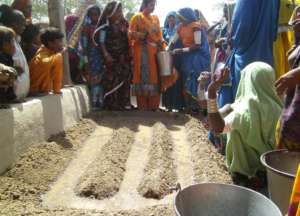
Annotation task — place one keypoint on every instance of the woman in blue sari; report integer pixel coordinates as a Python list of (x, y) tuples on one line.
[(91, 55), (254, 29), (172, 98), (193, 56)]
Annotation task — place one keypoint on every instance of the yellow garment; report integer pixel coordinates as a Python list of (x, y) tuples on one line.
[(294, 209), (286, 10), (46, 71), (281, 47), (285, 40)]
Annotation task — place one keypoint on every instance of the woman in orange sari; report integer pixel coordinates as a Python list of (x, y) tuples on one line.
[(193, 57), (146, 41)]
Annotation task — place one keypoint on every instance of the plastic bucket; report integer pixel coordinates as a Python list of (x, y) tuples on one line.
[(212, 199), (281, 167), (165, 63)]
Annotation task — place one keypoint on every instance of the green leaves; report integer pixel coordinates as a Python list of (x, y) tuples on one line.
[(40, 8)]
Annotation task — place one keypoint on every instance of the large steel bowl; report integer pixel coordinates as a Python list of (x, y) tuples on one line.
[(212, 199), (281, 168)]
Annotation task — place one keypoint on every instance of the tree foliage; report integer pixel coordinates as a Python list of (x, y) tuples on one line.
[(40, 9)]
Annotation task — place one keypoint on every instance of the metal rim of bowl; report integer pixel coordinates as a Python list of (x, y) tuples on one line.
[(264, 162), (227, 185)]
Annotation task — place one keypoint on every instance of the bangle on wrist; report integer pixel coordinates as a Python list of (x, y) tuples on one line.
[(202, 85), (212, 106), (85, 59), (201, 95)]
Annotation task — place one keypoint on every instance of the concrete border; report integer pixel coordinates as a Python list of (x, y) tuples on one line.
[(34, 121)]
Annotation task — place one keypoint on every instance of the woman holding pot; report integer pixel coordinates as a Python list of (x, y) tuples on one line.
[(193, 55), (146, 41)]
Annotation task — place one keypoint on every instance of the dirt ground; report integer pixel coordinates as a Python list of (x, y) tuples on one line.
[(160, 173), (33, 175), (104, 176), (209, 166)]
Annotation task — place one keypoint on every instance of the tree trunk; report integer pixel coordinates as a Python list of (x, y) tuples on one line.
[(56, 19)]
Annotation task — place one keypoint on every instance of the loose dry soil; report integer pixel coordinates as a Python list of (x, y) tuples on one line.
[(104, 176), (118, 166), (160, 173)]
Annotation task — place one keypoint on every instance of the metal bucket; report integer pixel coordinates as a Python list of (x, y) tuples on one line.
[(212, 199), (165, 63), (281, 167)]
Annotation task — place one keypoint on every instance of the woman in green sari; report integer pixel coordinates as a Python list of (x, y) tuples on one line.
[(250, 121)]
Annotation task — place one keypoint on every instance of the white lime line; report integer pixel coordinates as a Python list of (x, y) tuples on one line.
[(128, 196), (62, 192), (183, 156)]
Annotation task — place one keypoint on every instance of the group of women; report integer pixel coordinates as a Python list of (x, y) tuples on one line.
[(257, 113), (100, 54), (120, 58)]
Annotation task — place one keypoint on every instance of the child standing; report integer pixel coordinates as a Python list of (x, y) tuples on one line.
[(46, 67)]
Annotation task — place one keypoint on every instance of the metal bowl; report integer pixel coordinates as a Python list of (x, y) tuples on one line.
[(281, 168), (212, 199)]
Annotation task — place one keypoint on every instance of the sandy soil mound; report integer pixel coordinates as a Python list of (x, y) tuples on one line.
[(160, 173), (104, 176), (209, 165), (22, 187)]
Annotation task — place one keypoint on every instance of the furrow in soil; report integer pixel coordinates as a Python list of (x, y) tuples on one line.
[(160, 173), (209, 165), (104, 176)]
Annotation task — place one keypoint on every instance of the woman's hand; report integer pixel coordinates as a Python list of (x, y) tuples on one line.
[(204, 77), (9, 70), (220, 42), (177, 51), (288, 81), (217, 81), (162, 45), (19, 70)]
